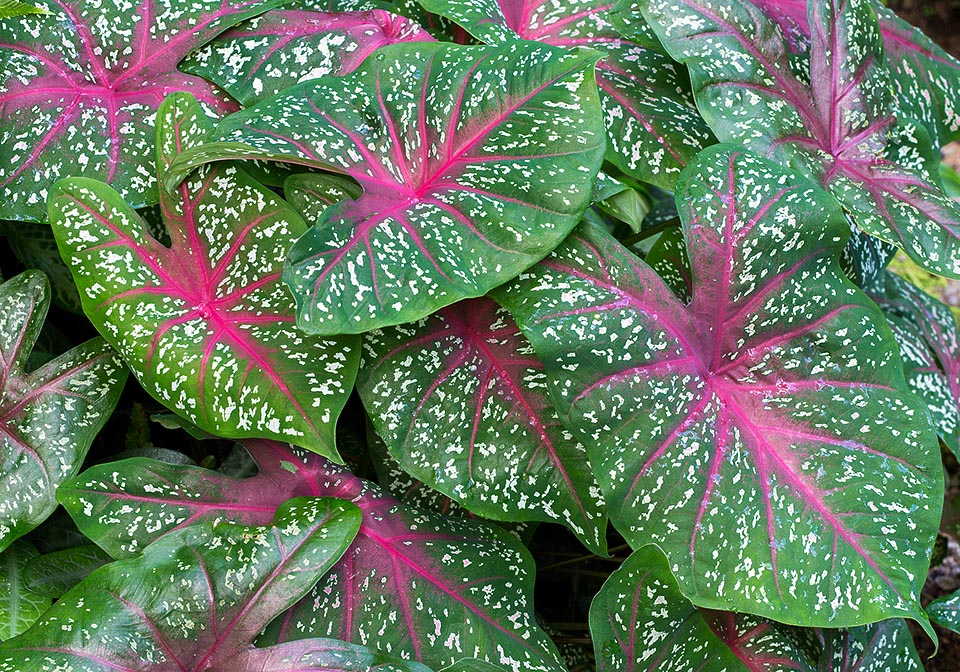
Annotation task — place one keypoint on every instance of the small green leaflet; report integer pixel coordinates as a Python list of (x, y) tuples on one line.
[(762, 435), (474, 163), (206, 324), (48, 417), (12, 8)]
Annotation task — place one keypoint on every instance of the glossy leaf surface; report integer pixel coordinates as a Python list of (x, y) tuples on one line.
[(412, 584), (80, 87), (264, 56), (926, 332), (653, 127), (762, 436), (460, 398), (206, 324), (50, 416), (474, 161), (193, 601), (641, 621), (840, 130), (20, 606)]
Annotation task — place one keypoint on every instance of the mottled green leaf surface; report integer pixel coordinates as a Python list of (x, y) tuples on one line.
[(206, 324), (80, 87), (20, 605), (261, 57), (461, 400), (835, 123), (641, 621), (50, 416), (653, 128), (926, 332), (413, 584), (474, 161), (194, 600), (945, 611), (763, 435)]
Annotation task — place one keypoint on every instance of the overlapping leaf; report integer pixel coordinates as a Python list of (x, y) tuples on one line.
[(272, 52), (413, 584), (20, 606), (53, 574), (474, 161), (945, 611), (460, 398), (926, 332), (81, 85), (48, 417), (196, 599), (653, 127), (206, 324), (841, 129), (762, 436)]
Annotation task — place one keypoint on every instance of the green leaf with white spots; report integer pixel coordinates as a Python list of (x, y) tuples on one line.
[(312, 193), (762, 435), (50, 416), (53, 574), (668, 257), (260, 58), (945, 611), (206, 324), (641, 621), (836, 123), (195, 600), (460, 399), (20, 605), (653, 127), (926, 332), (475, 162), (416, 585), (80, 87)]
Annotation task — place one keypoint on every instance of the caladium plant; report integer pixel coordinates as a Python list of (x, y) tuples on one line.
[(571, 307)]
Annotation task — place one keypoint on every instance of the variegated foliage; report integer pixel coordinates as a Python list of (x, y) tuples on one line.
[(460, 398), (474, 163), (412, 584), (206, 324), (50, 416), (81, 84), (762, 435), (195, 600), (653, 128), (262, 57), (833, 118)]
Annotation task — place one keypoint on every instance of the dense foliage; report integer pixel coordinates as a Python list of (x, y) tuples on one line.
[(466, 278)]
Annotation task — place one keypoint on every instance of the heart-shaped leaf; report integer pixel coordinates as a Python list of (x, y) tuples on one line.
[(641, 621), (412, 584), (926, 332), (762, 436), (20, 605), (841, 129), (49, 417), (474, 161), (196, 599), (206, 324), (460, 399), (262, 57), (653, 127), (80, 88)]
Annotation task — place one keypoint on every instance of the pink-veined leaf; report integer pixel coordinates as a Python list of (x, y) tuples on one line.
[(653, 128), (926, 332), (639, 620), (195, 600), (413, 584), (81, 85), (206, 325), (272, 52), (474, 163), (460, 399), (762, 436), (841, 129), (50, 416)]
